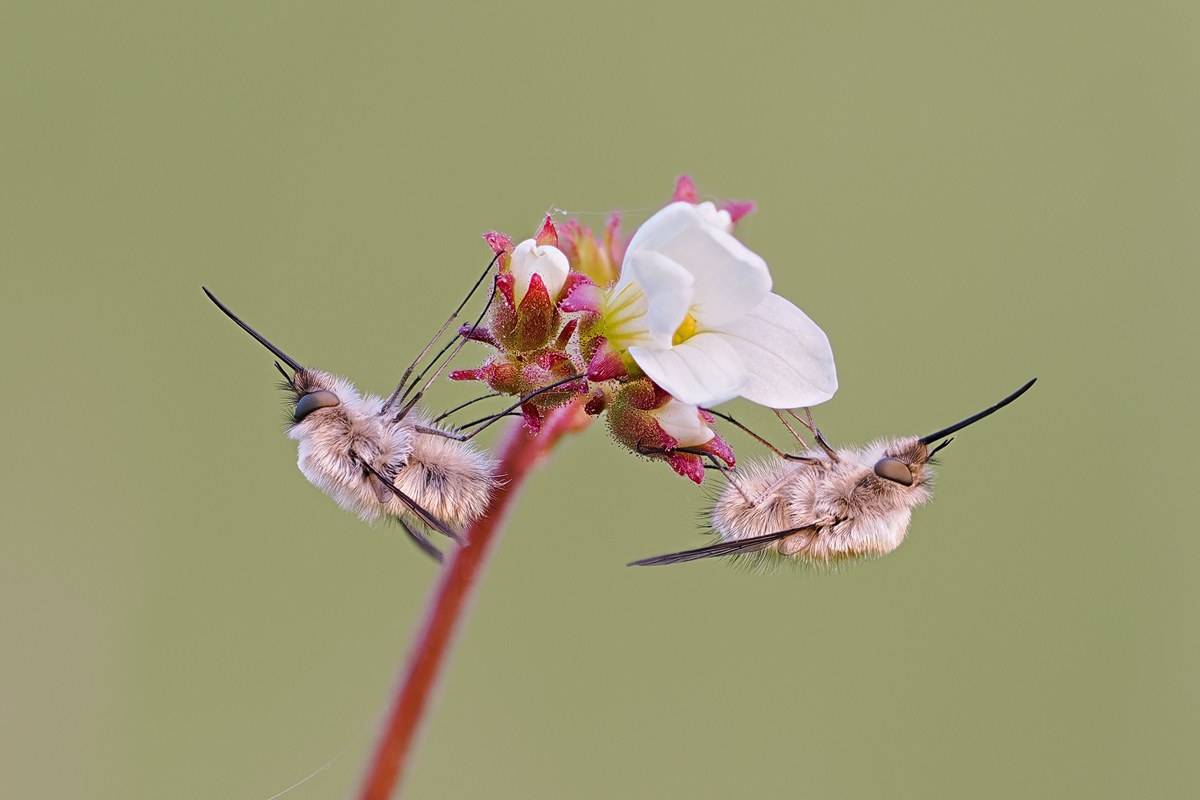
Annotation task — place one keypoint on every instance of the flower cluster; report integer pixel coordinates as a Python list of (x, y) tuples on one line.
[(653, 332)]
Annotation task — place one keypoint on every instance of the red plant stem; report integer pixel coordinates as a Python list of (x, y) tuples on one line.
[(520, 451)]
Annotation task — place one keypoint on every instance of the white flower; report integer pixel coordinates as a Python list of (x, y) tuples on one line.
[(682, 423), (545, 260), (720, 219), (694, 310)]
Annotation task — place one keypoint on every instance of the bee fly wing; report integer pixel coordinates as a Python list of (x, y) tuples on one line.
[(420, 513), (720, 549)]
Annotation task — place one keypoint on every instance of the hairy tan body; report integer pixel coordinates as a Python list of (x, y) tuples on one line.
[(846, 509)]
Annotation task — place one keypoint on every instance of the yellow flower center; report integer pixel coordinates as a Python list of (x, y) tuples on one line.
[(685, 331)]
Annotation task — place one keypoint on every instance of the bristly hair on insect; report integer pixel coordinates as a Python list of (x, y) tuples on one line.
[(825, 506)]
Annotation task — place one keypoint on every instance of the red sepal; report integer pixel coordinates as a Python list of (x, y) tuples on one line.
[(564, 336), (738, 208), (685, 190), (688, 465), (533, 417), (501, 245), (478, 333), (607, 363), (580, 294), (719, 448), (499, 242), (547, 234)]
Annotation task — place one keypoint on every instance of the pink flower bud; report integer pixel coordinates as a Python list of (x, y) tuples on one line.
[(651, 423), (527, 325)]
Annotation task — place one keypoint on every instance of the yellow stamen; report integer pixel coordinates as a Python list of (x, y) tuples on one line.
[(685, 331)]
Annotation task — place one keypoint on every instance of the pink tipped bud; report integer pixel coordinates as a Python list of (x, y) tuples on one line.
[(586, 255), (528, 326), (685, 190), (614, 245), (653, 424), (467, 375)]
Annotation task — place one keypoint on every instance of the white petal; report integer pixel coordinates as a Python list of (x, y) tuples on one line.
[(663, 226), (703, 371), (712, 216), (682, 423), (668, 288), (545, 260), (787, 356), (730, 278)]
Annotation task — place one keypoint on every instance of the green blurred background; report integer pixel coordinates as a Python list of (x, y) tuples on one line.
[(963, 197)]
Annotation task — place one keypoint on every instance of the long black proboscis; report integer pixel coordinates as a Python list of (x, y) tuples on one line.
[(933, 437), (261, 339), (729, 548)]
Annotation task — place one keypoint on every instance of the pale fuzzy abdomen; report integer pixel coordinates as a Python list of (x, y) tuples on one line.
[(779, 495), (449, 479)]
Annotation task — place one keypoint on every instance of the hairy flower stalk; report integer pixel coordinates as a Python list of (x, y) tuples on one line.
[(520, 451)]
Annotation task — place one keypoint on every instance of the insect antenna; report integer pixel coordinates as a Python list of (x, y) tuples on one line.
[(261, 339), (488, 420), (720, 549), (973, 419), (392, 398), (464, 339)]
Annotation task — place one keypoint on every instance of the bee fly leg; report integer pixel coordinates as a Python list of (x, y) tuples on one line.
[(484, 422), (426, 546), (752, 434), (812, 427)]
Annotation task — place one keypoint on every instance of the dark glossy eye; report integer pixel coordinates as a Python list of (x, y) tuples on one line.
[(893, 470), (314, 400)]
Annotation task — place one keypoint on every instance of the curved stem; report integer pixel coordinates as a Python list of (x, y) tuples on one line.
[(520, 451)]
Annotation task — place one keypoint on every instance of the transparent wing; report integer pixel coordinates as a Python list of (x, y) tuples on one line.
[(729, 548)]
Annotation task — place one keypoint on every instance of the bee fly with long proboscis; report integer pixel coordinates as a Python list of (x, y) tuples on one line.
[(827, 505), (385, 458)]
